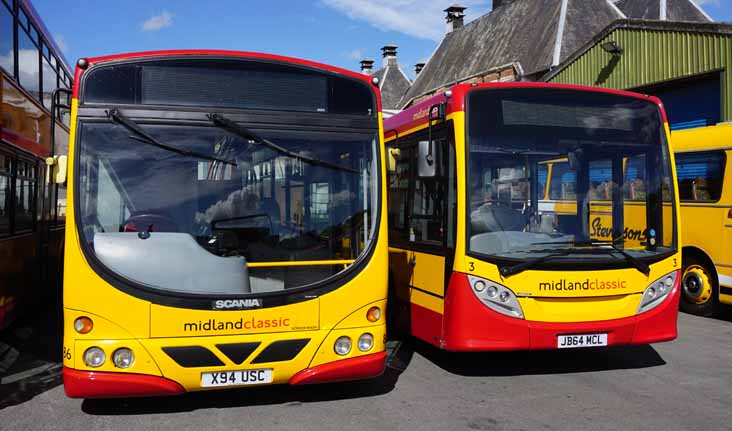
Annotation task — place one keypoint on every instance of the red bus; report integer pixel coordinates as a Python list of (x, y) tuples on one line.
[(32, 210)]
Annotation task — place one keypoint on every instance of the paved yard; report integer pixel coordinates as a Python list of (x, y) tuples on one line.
[(685, 384)]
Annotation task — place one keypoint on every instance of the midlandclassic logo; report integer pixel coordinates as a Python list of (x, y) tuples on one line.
[(588, 284), (252, 323), (237, 304)]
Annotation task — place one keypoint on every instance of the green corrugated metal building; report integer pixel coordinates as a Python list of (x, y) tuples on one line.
[(688, 65)]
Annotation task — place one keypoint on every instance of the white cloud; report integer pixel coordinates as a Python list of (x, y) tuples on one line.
[(354, 54), (157, 22), (423, 19), (61, 42)]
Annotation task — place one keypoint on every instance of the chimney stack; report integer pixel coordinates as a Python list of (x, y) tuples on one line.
[(455, 17), (390, 55), (418, 68), (367, 66)]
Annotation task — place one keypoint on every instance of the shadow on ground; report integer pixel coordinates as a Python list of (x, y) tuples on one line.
[(540, 362), (30, 353)]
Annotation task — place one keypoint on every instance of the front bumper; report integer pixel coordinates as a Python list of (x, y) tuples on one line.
[(461, 332)]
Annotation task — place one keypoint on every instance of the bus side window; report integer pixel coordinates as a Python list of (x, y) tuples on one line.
[(634, 185), (5, 193), (700, 176), (399, 181), (427, 219), (563, 182), (543, 172)]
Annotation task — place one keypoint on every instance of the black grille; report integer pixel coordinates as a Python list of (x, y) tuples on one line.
[(193, 356), (238, 352), (281, 351)]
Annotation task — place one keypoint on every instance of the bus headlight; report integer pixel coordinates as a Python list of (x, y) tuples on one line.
[(657, 292), (123, 358), (342, 346), (365, 342), (497, 297), (94, 357)]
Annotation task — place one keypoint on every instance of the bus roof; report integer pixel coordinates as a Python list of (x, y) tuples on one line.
[(218, 53), (416, 116), (703, 138)]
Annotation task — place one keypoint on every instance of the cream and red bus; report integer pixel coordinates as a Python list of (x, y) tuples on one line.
[(482, 257), (225, 224)]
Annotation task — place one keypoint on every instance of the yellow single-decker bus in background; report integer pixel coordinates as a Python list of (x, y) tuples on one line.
[(225, 225), (704, 167)]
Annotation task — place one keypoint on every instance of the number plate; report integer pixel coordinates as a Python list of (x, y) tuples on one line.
[(583, 340), (236, 378)]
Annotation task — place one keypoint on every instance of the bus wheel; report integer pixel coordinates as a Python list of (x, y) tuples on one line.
[(699, 291)]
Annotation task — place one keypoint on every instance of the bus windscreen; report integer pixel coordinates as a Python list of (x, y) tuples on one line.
[(574, 176), (220, 213)]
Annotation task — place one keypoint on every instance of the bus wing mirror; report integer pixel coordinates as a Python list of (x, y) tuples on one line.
[(393, 155), (426, 160), (56, 169)]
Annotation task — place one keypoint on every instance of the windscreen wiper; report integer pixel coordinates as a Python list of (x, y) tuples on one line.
[(241, 131), (508, 271), (637, 263), (142, 136)]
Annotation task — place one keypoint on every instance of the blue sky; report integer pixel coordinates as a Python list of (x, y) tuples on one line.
[(338, 32)]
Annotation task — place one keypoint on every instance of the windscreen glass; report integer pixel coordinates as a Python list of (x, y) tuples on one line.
[(216, 213), (572, 173)]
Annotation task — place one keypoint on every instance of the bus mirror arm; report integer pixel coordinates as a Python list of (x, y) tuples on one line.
[(56, 169)]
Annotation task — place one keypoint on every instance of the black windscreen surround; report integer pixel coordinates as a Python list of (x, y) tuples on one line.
[(236, 84)]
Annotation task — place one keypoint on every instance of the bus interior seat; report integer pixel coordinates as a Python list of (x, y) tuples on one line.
[(127, 254)]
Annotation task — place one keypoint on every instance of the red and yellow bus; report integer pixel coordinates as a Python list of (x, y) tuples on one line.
[(32, 209), (483, 258), (225, 224)]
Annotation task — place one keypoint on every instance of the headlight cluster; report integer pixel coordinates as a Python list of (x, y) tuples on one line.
[(343, 344), (657, 292), (122, 358), (497, 297)]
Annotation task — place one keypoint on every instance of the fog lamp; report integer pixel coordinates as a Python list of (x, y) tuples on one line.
[(123, 358), (342, 346), (365, 342), (94, 357)]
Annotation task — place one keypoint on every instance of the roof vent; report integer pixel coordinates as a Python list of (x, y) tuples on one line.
[(367, 66), (390, 55), (418, 68), (455, 17)]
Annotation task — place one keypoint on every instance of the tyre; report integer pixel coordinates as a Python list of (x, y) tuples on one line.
[(699, 288)]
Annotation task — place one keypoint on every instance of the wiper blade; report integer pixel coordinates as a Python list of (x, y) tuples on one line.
[(239, 130), (142, 136), (508, 271), (637, 264)]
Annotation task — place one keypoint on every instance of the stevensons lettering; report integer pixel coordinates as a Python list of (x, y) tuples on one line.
[(237, 304)]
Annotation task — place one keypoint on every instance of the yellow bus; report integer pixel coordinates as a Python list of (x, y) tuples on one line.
[(485, 254), (705, 188), (225, 225)]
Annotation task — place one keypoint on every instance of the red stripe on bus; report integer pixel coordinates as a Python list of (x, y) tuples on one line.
[(94, 384), (358, 368)]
